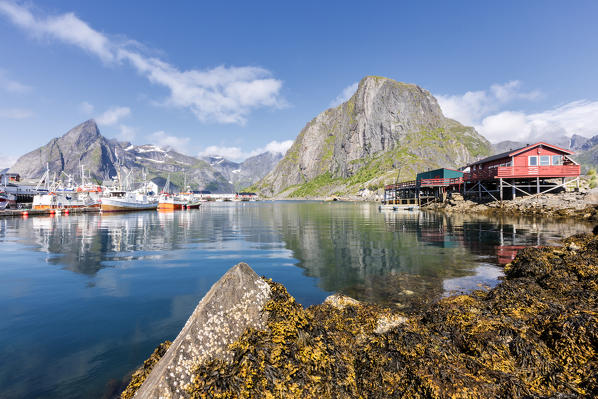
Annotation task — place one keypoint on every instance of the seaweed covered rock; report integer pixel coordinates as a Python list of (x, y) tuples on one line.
[(534, 335), (140, 375), (234, 304)]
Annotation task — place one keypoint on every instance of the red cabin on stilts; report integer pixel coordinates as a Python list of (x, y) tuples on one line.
[(532, 169)]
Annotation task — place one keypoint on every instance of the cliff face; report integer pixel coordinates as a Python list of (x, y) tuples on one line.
[(385, 127)]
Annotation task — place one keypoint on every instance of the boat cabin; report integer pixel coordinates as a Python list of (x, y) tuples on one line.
[(537, 160)]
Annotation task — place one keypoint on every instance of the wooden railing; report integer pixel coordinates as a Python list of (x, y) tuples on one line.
[(424, 183), (525, 171)]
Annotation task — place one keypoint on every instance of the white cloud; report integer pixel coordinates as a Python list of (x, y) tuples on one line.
[(237, 154), (222, 94), (578, 117), (6, 161), (472, 106), (346, 94), (11, 85), (15, 113), (127, 133), (230, 153), (86, 108), (113, 115), (280, 147), (163, 139), (485, 110)]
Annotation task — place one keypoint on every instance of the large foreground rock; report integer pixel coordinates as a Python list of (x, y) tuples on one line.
[(233, 304)]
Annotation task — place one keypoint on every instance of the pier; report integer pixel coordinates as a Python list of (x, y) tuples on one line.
[(47, 212)]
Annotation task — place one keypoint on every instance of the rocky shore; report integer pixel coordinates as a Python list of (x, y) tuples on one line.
[(579, 205), (533, 335)]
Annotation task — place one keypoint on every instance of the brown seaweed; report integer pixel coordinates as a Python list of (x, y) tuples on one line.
[(534, 335)]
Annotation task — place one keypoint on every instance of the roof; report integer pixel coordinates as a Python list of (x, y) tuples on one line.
[(517, 151)]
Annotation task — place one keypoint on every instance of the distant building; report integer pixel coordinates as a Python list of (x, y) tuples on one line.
[(6, 178), (246, 196)]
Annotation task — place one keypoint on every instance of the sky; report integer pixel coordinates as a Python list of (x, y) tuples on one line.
[(239, 78)]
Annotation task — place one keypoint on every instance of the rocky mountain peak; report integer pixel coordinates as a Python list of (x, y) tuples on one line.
[(82, 134), (386, 125)]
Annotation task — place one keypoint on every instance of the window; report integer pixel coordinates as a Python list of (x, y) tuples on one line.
[(532, 161), (544, 160), (557, 159)]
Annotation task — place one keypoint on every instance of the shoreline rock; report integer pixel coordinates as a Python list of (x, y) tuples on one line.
[(575, 205), (533, 335), (231, 306)]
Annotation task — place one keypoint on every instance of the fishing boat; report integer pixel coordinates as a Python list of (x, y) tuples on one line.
[(128, 201), (168, 201), (65, 195), (121, 199), (63, 200), (193, 203)]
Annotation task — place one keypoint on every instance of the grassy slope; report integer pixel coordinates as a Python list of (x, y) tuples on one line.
[(381, 169)]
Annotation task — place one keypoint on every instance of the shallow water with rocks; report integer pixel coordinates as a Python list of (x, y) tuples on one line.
[(86, 298)]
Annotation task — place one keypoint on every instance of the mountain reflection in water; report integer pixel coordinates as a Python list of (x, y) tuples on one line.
[(85, 298)]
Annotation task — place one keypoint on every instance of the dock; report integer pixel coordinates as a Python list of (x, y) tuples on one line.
[(47, 212)]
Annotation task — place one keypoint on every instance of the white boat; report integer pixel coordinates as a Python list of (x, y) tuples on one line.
[(64, 200), (128, 201)]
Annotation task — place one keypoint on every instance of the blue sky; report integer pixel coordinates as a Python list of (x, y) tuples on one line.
[(241, 77)]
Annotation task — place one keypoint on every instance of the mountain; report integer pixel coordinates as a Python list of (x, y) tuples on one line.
[(574, 143), (244, 174), (102, 158), (588, 155), (385, 128)]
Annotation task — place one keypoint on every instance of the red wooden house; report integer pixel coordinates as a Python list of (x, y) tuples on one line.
[(525, 169)]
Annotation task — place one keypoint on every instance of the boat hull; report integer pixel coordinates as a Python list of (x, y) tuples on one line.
[(122, 206), (170, 206)]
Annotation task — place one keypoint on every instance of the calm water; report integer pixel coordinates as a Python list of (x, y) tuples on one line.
[(85, 299)]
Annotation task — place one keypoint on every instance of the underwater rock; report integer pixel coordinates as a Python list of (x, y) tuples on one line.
[(233, 304)]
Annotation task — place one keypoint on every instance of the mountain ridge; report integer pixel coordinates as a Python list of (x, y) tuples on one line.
[(102, 157)]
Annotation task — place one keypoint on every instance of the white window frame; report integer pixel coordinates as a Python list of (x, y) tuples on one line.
[(540, 160), (560, 160), (529, 159)]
